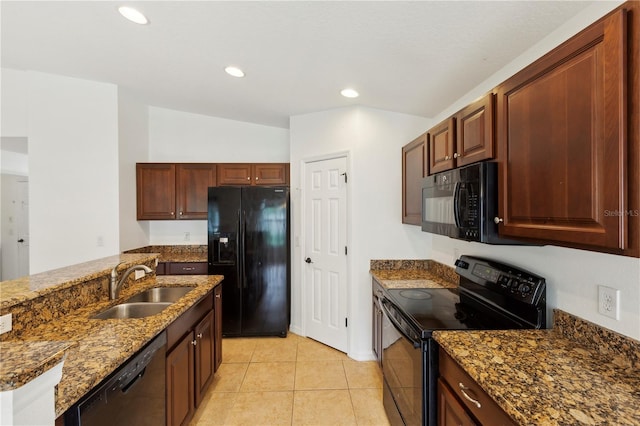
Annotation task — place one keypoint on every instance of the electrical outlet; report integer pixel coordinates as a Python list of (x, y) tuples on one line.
[(139, 274), (5, 323), (609, 302)]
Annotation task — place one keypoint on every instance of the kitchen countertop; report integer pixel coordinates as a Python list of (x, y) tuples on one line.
[(574, 374), (93, 348), (413, 274), (176, 253)]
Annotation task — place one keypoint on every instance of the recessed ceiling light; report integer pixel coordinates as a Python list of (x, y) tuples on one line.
[(349, 93), (234, 71), (133, 15)]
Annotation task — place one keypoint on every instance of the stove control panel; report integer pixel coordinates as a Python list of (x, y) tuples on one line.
[(507, 280)]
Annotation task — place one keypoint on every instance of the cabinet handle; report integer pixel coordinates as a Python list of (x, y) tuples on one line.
[(463, 388), (199, 336), (497, 220), (180, 213), (256, 177), (446, 157), (172, 213), (217, 296), (194, 342), (456, 155), (248, 177)]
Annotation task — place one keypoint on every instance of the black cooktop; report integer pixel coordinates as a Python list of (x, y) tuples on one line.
[(491, 296)]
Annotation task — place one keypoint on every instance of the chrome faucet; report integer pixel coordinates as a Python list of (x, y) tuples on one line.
[(114, 284)]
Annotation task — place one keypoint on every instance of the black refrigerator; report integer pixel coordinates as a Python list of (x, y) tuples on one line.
[(249, 244)]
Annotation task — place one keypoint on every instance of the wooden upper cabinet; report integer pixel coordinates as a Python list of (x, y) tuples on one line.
[(475, 132), (192, 182), (465, 138), (442, 146), (156, 191), (253, 174), (414, 169), (562, 141)]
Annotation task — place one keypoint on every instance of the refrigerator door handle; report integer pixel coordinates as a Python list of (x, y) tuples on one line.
[(244, 247)]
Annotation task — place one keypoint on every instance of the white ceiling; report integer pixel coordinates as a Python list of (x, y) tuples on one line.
[(413, 57)]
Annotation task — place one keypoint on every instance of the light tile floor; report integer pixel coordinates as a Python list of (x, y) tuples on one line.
[(291, 381)]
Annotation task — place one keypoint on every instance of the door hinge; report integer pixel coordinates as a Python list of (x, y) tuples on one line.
[(345, 323), (345, 176), (345, 250)]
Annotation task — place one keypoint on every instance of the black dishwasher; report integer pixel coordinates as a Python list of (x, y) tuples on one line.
[(133, 395)]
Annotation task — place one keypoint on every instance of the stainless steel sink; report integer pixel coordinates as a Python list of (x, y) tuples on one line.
[(132, 310), (160, 294)]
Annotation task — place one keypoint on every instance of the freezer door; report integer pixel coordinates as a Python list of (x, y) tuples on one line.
[(225, 248), (265, 293)]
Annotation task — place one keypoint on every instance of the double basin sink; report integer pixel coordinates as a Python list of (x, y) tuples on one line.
[(144, 304)]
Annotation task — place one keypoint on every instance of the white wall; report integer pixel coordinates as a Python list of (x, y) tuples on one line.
[(572, 275), (133, 147), (181, 137), (373, 140), (13, 106), (73, 169)]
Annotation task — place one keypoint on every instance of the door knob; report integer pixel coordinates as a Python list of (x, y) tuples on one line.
[(308, 260), (21, 240)]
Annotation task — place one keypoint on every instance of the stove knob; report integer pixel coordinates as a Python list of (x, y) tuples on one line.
[(525, 289), (515, 284)]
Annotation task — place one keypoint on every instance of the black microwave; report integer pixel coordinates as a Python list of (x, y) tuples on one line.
[(462, 203)]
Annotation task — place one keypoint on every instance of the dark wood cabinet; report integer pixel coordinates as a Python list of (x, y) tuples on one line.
[(191, 361), (204, 359), (182, 268), (562, 139), (180, 388), (450, 411), (414, 169), (173, 191), (442, 146), (253, 174), (465, 138), (475, 132), (156, 191), (461, 399), (192, 182), (217, 324)]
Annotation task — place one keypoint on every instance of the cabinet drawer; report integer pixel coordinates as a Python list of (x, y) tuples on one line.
[(187, 321), (187, 268), (489, 413)]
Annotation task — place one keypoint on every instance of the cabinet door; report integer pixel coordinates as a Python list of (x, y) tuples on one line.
[(204, 361), (271, 174), (217, 327), (180, 406), (414, 169), (442, 146), (450, 411), (475, 132), (161, 269), (562, 124), (234, 174), (156, 191), (192, 182)]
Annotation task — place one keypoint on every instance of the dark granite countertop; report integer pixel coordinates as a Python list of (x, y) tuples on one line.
[(176, 253), (574, 374)]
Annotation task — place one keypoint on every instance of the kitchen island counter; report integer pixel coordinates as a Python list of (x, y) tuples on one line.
[(94, 348), (574, 374)]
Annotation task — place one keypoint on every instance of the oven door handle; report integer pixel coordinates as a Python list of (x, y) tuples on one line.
[(416, 343)]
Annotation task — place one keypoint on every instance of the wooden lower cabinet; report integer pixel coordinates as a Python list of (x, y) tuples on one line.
[(377, 319), (450, 411), (180, 389), (461, 401), (193, 357), (182, 268), (217, 324)]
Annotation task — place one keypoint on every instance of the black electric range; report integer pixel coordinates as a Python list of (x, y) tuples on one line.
[(491, 296)]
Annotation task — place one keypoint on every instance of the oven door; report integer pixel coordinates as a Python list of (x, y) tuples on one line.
[(403, 368)]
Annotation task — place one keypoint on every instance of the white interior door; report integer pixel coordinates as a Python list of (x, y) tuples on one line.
[(325, 251), (15, 227)]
